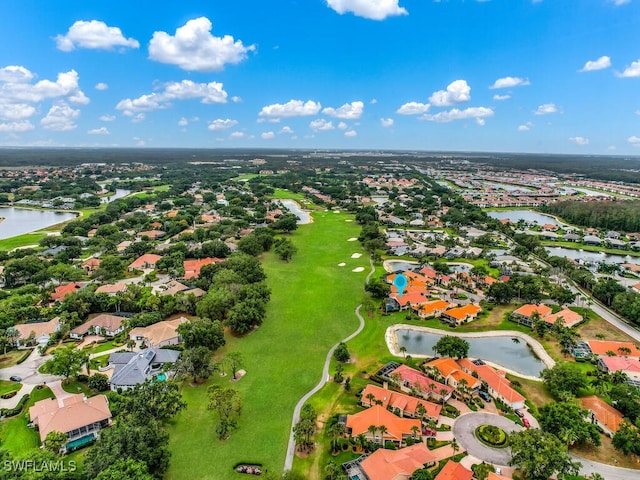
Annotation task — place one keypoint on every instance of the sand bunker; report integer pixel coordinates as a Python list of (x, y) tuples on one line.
[(352, 239), (348, 220), (358, 269), (341, 264), (356, 255)]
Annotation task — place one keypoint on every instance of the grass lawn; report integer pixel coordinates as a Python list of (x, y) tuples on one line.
[(103, 347), (312, 307), (8, 387), (11, 358), (73, 386), (21, 241), (16, 436)]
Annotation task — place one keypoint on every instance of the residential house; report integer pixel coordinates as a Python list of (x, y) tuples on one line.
[(151, 234), (591, 240), (495, 381), (158, 334), (401, 404), (569, 318), (399, 464), (398, 429), (612, 234), (496, 476), (122, 246), (525, 314), (454, 471), (134, 368), (112, 289), (61, 291), (571, 237), (631, 267), (453, 373), (410, 378), (628, 365), (79, 417), (104, 324), (459, 315), (434, 308), (607, 347), (147, 261), (192, 267), (411, 298), (172, 287), (39, 332), (602, 414), (91, 265)]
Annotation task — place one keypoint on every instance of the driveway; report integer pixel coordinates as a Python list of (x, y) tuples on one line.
[(28, 371), (465, 426)]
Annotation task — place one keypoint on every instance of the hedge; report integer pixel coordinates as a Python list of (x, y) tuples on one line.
[(24, 356), (12, 412)]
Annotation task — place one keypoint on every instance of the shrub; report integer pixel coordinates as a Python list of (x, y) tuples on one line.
[(24, 356), (12, 412)]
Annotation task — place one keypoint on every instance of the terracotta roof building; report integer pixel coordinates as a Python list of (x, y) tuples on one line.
[(454, 373), (433, 308), (146, 261), (460, 315), (103, 324), (158, 334), (112, 288), (192, 267), (498, 385), (524, 315), (398, 428), (400, 464), (427, 387), (403, 405), (61, 292), (569, 318), (602, 414), (603, 347), (454, 471), (79, 417)]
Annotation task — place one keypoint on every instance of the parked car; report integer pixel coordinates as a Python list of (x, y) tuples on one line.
[(520, 413), (526, 423), (485, 396), (15, 378)]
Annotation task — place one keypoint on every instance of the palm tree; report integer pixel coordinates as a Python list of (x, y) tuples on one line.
[(383, 429), (421, 411), (619, 377), (462, 388), (403, 350), (443, 394), (454, 445), (371, 397), (414, 431), (361, 440), (372, 430)]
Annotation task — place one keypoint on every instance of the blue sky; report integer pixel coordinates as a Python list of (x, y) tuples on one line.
[(557, 76)]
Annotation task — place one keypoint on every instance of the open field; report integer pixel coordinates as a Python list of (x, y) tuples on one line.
[(312, 307), (21, 241)]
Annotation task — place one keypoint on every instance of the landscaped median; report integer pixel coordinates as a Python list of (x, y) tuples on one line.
[(492, 436)]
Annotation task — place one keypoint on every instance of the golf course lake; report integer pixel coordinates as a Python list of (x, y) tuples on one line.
[(527, 215), (18, 221), (294, 207), (501, 350)]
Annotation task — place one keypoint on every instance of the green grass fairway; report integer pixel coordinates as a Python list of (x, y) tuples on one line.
[(312, 307), (21, 241)]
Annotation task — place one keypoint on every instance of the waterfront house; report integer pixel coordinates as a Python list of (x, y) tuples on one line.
[(602, 414)]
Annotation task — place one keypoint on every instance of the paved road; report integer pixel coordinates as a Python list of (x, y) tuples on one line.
[(28, 371), (609, 472), (463, 430)]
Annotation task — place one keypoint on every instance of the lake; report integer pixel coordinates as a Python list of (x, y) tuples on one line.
[(594, 257), (293, 207), (21, 220), (500, 350), (399, 265), (526, 215), (507, 187), (120, 192)]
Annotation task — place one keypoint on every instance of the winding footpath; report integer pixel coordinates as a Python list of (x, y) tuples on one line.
[(291, 446)]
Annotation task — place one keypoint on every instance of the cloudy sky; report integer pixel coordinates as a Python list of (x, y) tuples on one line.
[(495, 75)]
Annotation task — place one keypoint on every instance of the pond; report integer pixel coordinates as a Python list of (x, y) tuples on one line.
[(508, 187), (19, 221), (294, 207), (399, 265), (500, 350), (526, 215), (120, 192), (590, 257), (380, 200)]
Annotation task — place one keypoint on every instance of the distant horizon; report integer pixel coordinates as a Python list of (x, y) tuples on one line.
[(540, 76)]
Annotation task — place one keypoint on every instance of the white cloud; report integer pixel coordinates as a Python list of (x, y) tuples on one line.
[(61, 117), (267, 135), (15, 74), (617, 3), (221, 124), (107, 118), (183, 122), (343, 126), (293, 108), (525, 127), (350, 133), (101, 86), (321, 125), (237, 135), (286, 129), (99, 131), (212, 92), (546, 108), (15, 87), (579, 140), (413, 108), (16, 111), (373, 101), (139, 141), (386, 122), (93, 34), (236, 99), (194, 47), (137, 118), (634, 140), (456, 114), (632, 70), (510, 82), (21, 126), (500, 98), (456, 92), (350, 111), (371, 9), (599, 64)]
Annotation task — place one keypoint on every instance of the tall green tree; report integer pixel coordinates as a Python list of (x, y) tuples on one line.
[(152, 401), (227, 403), (540, 455), (562, 378), (450, 346), (66, 361), (567, 422), (202, 332), (197, 363)]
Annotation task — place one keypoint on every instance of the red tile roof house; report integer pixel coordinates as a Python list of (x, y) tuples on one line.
[(602, 414), (91, 265), (629, 365), (410, 378), (112, 289), (400, 464), (454, 471), (401, 404), (145, 262), (62, 291), (460, 315), (497, 384), (79, 417), (38, 332), (454, 373), (569, 318), (524, 315), (192, 267), (398, 429), (601, 347), (104, 324), (151, 234), (433, 308)]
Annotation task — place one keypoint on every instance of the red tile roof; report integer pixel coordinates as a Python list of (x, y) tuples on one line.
[(148, 259), (62, 291), (406, 403), (569, 317), (192, 267), (601, 347), (454, 471), (529, 309), (604, 413), (391, 464), (378, 416), (418, 379)]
